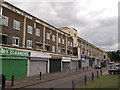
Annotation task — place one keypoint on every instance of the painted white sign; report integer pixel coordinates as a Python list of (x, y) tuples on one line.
[(42, 55)]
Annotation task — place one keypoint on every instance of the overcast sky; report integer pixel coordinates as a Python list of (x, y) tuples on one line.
[(95, 20)]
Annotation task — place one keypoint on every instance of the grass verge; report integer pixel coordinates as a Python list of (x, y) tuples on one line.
[(105, 81)]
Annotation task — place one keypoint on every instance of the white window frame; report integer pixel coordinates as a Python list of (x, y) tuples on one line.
[(53, 37), (59, 40), (37, 33), (14, 41), (29, 43), (59, 49), (68, 43), (63, 41), (16, 25), (4, 20), (48, 36), (53, 48), (71, 44), (29, 29)]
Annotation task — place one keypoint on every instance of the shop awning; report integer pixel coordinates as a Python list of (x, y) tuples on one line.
[(66, 60)]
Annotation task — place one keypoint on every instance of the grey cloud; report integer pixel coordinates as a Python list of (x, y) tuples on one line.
[(105, 34)]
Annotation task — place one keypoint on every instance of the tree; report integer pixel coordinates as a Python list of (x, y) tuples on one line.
[(114, 55)]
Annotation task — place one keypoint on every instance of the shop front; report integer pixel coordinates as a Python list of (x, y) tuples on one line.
[(38, 63), (66, 63), (14, 62), (79, 64), (55, 63), (83, 61), (74, 63), (87, 61), (91, 61)]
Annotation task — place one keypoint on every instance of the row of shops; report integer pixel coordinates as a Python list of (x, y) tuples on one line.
[(24, 63)]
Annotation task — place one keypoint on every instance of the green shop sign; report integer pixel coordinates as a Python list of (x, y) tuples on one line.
[(13, 52)]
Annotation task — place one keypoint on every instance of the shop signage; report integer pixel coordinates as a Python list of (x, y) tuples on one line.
[(56, 56), (83, 58), (13, 52), (66, 58), (40, 55), (92, 58)]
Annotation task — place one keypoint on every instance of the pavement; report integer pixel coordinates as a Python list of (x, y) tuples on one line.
[(32, 80)]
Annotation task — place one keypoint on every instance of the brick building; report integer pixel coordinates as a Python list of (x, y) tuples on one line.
[(48, 49)]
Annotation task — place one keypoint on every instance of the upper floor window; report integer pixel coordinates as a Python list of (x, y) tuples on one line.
[(53, 37), (59, 40), (3, 39), (4, 20), (16, 25), (29, 43), (68, 43), (37, 32), (53, 48), (48, 36), (63, 41), (15, 41), (29, 29), (71, 44), (59, 49), (74, 35)]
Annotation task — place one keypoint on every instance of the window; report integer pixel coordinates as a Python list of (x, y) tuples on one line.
[(74, 35), (4, 20), (71, 44), (63, 42), (29, 44), (48, 36), (53, 37), (29, 30), (37, 32), (3, 39), (53, 48), (68, 43), (59, 40), (79, 44), (47, 47), (16, 25), (15, 41), (59, 49)]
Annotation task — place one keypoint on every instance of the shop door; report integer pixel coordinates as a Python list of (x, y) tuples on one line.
[(55, 65), (37, 66), (18, 68), (66, 66)]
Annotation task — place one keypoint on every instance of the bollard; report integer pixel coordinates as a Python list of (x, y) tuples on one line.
[(40, 76), (101, 72), (97, 74), (51, 88), (92, 76), (85, 79), (73, 85), (3, 81), (87, 67), (76, 69), (83, 68), (12, 80)]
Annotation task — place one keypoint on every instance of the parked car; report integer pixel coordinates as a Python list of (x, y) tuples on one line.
[(103, 63), (98, 66), (111, 62), (115, 70)]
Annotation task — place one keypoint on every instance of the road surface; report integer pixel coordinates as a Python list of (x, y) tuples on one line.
[(66, 82)]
